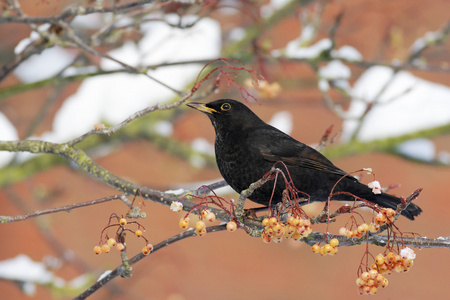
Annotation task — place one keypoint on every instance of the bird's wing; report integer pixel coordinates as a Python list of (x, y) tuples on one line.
[(303, 162), (277, 146)]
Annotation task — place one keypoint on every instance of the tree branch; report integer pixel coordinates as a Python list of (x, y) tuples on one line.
[(66, 208), (120, 269), (74, 11)]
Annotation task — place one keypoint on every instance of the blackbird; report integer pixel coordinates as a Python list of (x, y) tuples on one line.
[(247, 148)]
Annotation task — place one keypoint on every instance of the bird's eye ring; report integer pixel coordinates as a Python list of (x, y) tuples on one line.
[(225, 106)]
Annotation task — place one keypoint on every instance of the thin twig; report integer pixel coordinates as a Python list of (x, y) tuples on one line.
[(66, 208), (74, 11)]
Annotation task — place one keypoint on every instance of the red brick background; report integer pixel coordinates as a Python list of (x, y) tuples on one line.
[(233, 265)]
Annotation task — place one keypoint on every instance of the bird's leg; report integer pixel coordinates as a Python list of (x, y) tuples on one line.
[(281, 209), (240, 214), (324, 215), (240, 206), (251, 212)]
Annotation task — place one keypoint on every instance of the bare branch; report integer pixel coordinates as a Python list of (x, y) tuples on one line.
[(74, 11), (66, 208)]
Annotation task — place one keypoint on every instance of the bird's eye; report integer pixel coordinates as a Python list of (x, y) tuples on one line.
[(225, 107)]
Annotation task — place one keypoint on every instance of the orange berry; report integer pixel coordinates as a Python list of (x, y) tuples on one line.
[(273, 221), (384, 283), (390, 213), (123, 222), (296, 236), (327, 248), (106, 248), (373, 290), (361, 290), (97, 250), (360, 282), (265, 238), (290, 229), (315, 248), (343, 231), (120, 247), (366, 289), (365, 227), (388, 271), (357, 234), (379, 278), (360, 229), (138, 233), (334, 243), (231, 226), (380, 219), (399, 268), (301, 229), (205, 212), (111, 242), (302, 222), (390, 258), (201, 232), (297, 222), (277, 240), (383, 268), (333, 251), (373, 274), (281, 232), (379, 259), (374, 227), (365, 276), (408, 263), (269, 231), (265, 222), (277, 228), (398, 259), (211, 217), (307, 232), (290, 220), (200, 225), (184, 223), (350, 234), (306, 222), (146, 250)]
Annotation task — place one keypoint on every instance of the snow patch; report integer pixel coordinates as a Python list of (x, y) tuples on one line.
[(420, 149), (282, 120), (408, 104), (7, 133)]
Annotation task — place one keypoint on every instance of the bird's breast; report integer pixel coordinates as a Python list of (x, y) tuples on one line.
[(239, 164)]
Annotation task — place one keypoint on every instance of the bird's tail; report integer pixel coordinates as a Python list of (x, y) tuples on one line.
[(389, 201)]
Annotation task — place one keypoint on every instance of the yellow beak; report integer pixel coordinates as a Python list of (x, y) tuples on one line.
[(202, 107)]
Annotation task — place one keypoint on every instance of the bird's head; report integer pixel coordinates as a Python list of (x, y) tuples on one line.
[(227, 114)]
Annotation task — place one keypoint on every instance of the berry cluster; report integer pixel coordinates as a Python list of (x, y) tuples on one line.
[(294, 227), (330, 249), (206, 197), (200, 225), (386, 215), (359, 231), (120, 236), (393, 262), (369, 282)]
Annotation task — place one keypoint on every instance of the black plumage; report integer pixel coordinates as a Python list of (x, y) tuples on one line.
[(247, 148)]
